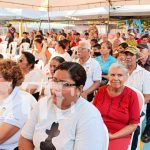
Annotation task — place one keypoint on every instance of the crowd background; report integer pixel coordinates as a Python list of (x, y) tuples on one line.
[(65, 69)]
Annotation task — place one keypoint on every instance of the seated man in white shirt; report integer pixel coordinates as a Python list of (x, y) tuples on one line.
[(93, 70), (139, 78)]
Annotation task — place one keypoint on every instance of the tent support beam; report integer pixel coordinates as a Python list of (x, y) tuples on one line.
[(48, 16)]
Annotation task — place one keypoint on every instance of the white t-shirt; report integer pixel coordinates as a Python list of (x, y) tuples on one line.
[(93, 72), (15, 110), (77, 128), (35, 77), (41, 56), (140, 79), (66, 56)]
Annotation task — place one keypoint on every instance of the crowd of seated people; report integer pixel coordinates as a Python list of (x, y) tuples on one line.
[(65, 88)]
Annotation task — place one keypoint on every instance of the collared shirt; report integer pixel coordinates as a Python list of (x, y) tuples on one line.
[(106, 64), (140, 79), (15, 110), (93, 72)]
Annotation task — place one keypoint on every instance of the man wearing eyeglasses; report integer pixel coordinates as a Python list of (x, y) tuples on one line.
[(92, 68)]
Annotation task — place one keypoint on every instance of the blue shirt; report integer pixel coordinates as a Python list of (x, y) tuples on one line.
[(105, 64)]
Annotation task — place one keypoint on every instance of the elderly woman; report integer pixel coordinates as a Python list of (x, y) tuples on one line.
[(119, 107), (66, 121), (15, 104)]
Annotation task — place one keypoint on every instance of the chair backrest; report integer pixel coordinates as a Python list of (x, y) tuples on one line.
[(140, 98), (106, 145), (3, 48), (24, 47), (12, 48), (141, 105)]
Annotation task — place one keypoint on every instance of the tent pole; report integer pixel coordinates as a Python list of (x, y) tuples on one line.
[(48, 16), (40, 24), (108, 17)]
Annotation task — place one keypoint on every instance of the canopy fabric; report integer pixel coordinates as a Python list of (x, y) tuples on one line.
[(58, 5), (71, 9)]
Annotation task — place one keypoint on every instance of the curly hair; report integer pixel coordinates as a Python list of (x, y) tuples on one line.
[(11, 71)]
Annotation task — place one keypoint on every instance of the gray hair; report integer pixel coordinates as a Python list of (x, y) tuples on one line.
[(119, 66)]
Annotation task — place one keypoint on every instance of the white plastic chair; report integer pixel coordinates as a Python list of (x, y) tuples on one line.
[(3, 47), (24, 47), (141, 105), (12, 49), (106, 137)]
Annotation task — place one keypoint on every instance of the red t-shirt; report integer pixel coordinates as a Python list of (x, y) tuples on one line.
[(119, 111)]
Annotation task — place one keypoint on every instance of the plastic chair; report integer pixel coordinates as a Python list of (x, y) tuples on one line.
[(24, 47), (3, 48), (106, 145), (142, 116), (12, 49)]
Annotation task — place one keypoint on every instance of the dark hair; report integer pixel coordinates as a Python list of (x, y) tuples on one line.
[(62, 44), (59, 59), (98, 46), (30, 58), (77, 72), (145, 36), (78, 34), (94, 40), (87, 34), (118, 33), (9, 25), (25, 33), (124, 45), (39, 37), (1, 56), (41, 32), (17, 33), (65, 42), (47, 33), (38, 40)]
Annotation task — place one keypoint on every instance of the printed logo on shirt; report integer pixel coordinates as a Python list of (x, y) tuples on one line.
[(53, 132)]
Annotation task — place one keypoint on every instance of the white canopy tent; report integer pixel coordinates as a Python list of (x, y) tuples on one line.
[(59, 5)]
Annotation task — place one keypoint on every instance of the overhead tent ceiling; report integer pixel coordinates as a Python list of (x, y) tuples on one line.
[(65, 9), (59, 5)]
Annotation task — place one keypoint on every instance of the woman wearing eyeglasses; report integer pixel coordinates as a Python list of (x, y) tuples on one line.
[(66, 121), (15, 104)]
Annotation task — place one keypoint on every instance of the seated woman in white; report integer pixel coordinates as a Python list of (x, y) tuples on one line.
[(34, 77), (54, 63), (66, 121), (15, 104), (61, 50)]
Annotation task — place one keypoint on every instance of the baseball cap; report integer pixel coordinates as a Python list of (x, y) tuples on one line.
[(84, 44), (132, 50), (132, 34), (142, 46)]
